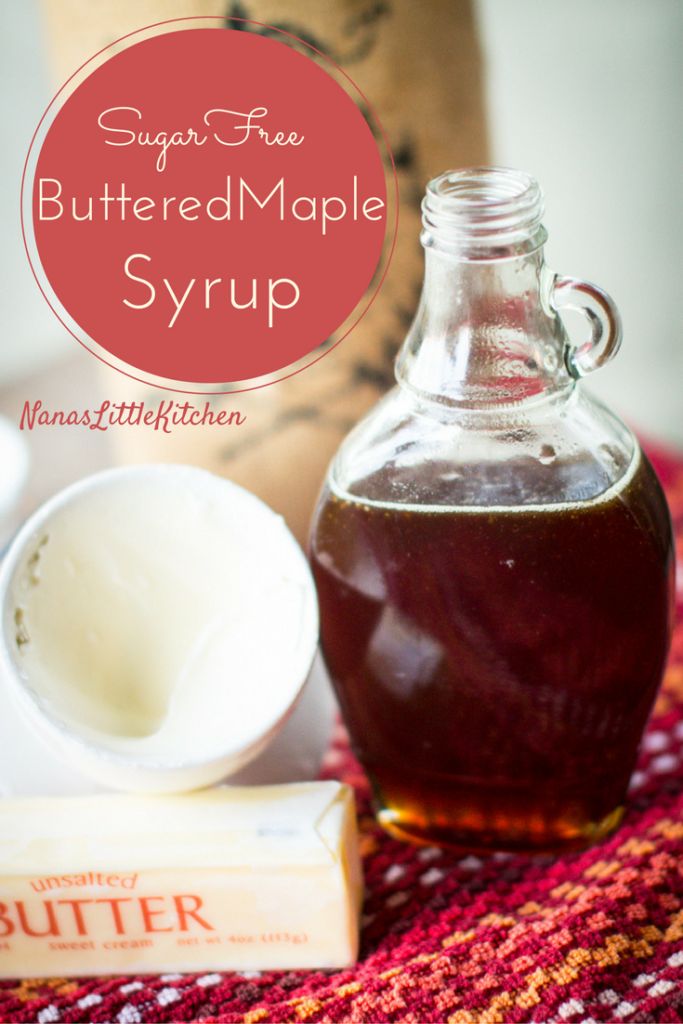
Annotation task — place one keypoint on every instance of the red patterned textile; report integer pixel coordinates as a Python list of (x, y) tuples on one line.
[(594, 936)]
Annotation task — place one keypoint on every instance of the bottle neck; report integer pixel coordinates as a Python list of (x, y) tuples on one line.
[(485, 334)]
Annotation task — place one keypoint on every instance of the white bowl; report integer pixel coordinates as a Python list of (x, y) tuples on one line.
[(158, 626)]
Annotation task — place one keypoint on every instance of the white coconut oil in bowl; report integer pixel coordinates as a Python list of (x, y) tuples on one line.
[(158, 625)]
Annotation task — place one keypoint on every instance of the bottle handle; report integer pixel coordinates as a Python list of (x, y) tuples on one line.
[(603, 318)]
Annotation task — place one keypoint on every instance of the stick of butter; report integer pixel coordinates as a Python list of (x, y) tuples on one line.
[(223, 879)]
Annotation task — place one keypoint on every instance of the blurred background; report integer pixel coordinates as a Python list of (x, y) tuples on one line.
[(585, 96)]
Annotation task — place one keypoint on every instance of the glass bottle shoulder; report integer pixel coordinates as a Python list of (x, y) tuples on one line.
[(564, 449)]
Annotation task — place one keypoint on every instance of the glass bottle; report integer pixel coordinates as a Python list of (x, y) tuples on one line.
[(493, 552)]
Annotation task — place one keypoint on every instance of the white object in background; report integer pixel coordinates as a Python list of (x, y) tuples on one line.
[(587, 98), (32, 337), (158, 625), (14, 463)]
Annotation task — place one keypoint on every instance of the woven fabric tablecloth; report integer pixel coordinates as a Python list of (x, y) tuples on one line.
[(595, 936)]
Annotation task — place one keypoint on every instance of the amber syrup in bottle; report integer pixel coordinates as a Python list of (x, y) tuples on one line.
[(496, 667)]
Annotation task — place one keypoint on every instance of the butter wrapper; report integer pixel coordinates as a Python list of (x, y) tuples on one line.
[(253, 878)]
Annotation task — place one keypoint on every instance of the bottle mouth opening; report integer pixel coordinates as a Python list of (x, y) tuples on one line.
[(483, 207)]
